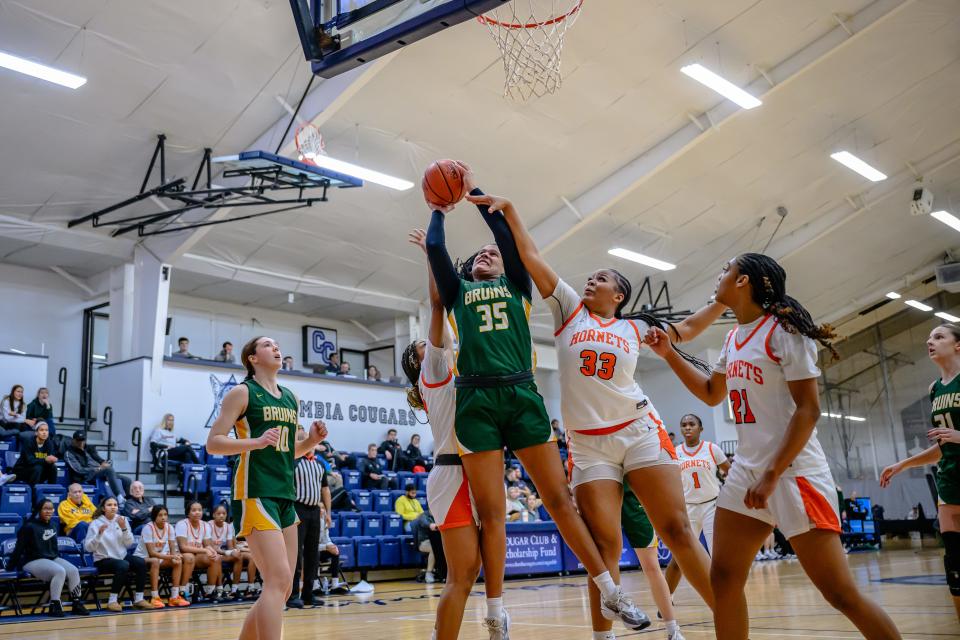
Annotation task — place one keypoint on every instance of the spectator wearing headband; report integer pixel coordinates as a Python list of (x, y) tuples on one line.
[(36, 463)]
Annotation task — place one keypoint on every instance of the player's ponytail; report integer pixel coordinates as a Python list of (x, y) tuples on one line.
[(410, 362), (768, 288), (249, 350)]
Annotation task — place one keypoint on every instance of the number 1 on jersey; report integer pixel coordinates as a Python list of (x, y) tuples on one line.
[(741, 407), (696, 480)]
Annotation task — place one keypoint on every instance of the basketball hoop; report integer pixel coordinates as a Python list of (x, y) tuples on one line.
[(309, 143), (531, 45)]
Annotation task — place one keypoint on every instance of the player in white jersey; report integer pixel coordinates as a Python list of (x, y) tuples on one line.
[(427, 366), (701, 464), (769, 366), (615, 432)]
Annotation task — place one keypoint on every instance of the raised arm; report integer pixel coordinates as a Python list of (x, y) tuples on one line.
[(692, 326), (513, 265), (711, 390), (219, 443), (544, 277), (437, 315), (441, 266)]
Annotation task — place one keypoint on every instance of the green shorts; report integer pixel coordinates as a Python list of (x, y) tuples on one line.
[(489, 418), (636, 525), (948, 487), (263, 514)]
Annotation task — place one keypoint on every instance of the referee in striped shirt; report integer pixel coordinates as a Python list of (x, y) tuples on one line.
[(312, 490)]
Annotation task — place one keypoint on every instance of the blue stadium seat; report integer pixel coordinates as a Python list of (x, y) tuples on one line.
[(368, 552), (221, 496), (92, 492), (351, 479), (61, 473), (9, 525), (351, 524), (348, 555), (16, 498), (200, 451), (71, 551), (209, 458), (422, 499), (383, 462), (382, 502), (544, 514), (403, 477), (218, 477), (193, 478), (392, 524), (10, 458), (334, 528), (422, 481), (389, 551), (363, 499), (409, 554), (372, 524), (10, 443), (392, 477), (53, 492)]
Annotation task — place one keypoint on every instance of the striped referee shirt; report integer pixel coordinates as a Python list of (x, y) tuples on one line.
[(309, 478)]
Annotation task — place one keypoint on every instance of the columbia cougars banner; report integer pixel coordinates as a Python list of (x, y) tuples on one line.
[(356, 412)]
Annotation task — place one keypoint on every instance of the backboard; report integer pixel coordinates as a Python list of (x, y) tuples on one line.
[(338, 35)]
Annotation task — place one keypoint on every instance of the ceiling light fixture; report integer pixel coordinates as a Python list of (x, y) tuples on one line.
[(43, 72), (946, 316), (918, 305), (893, 295), (633, 256), (360, 172), (856, 418), (854, 163), (721, 85), (947, 218)]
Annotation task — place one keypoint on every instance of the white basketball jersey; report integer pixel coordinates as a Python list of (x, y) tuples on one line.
[(758, 360), (698, 469), (440, 398), (597, 360)]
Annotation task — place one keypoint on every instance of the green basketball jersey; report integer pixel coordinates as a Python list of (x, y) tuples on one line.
[(267, 472), (946, 415), (491, 320)]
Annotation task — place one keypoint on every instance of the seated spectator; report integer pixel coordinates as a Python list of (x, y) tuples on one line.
[(515, 505), (424, 528), (158, 548), (287, 363), (334, 366), (224, 543), (164, 439), (512, 479), (193, 539), (41, 409), (85, 465), (345, 370), (37, 552), (328, 550), (371, 475), (137, 507), (532, 504), (107, 539), (183, 344), (37, 463), (373, 374), (408, 506), (338, 459), (393, 452), (413, 455), (13, 413), (76, 513), (226, 354)]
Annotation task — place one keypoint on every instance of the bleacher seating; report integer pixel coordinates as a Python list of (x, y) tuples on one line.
[(209, 458), (382, 501), (193, 479), (10, 458), (421, 481), (392, 524), (10, 524), (10, 443), (372, 524), (363, 499), (61, 473), (403, 477), (16, 498), (351, 479), (334, 528), (389, 551), (368, 552), (351, 524), (92, 492), (218, 476), (53, 492), (348, 556), (410, 555), (200, 451)]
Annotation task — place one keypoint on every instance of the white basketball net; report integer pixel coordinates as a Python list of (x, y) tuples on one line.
[(309, 143), (530, 35)]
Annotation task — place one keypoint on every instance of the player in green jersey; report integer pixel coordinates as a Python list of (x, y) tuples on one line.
[(943, 347), (264, 416), (498, 404)]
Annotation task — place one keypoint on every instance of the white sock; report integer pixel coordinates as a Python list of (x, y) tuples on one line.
[(113, 598), (606, 585), (208, 589), (672, 626), (494, 607), (174, 592), (604, 635), (138, 596), (233, 588), (155, 594)]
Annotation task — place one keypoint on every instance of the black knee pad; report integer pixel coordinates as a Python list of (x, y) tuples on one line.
[(951, 561)]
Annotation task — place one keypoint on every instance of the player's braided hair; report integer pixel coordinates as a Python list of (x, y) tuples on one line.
[(768, 288), (623, 284), (465, 267), (410, 362)]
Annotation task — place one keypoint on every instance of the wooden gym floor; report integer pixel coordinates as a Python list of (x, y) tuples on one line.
[(783, 604)]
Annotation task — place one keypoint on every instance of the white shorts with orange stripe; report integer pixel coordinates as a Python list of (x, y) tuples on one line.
[(798, 504), (448, 495), (599, 455)]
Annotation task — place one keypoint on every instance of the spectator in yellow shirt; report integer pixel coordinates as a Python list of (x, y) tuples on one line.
[(408, 507), (76, 513)]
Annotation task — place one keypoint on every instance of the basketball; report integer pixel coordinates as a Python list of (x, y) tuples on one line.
[(443, 183)]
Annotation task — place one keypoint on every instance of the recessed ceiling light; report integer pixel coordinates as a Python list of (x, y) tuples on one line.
[(27, 67), (893, 295), (721, 85), (360, 172), (947, 218), (918, 305), (856, 418), (626, 254), (947, 316), (854, 163)]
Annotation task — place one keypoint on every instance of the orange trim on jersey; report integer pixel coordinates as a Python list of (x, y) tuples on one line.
[(710, 449), (604, 431), (665, 443), (438, 384), (599, 321), (460, 513), (702, 442), (567, 321), (740, 345), (569, 460), (766, 343), (818, 509), (636, 329)]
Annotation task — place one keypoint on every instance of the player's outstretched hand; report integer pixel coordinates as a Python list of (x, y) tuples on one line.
[(418, 237), (658, 341), (270, 438), (469, 179), (495, 203), (318, 430), (887, 474)]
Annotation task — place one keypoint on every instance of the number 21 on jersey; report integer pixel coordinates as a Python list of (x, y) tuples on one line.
[(740, 406)]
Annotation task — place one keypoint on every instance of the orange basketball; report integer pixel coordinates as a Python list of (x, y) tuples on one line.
[(443, 183)]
